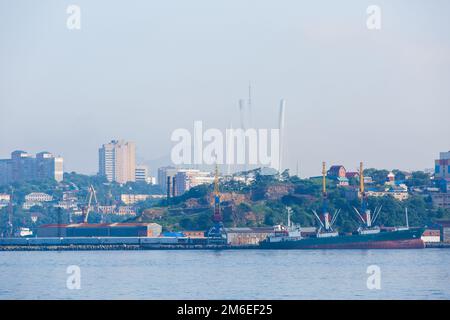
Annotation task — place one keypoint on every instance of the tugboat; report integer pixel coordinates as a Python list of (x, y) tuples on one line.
[(368, 236)]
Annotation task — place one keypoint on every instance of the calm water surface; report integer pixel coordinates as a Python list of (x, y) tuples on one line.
[(243, 274)]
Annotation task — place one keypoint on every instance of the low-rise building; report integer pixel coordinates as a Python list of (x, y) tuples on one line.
[(100, 230), (352, 175), (444, 226), (107, 209), (27, 205), (4, 200), (129, 199), (441, 200), (336, 171), (339, 174), (38, 197), (66, 204), (125, 210), (247, 236), (194, 234), (431, 236)]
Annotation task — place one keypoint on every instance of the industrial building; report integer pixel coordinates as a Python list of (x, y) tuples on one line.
[(431, 236), (194, 234), (445, 230), (247, 236), (100, 230)]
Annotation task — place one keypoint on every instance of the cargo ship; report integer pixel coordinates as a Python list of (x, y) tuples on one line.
[(368, 236), (398, 239)]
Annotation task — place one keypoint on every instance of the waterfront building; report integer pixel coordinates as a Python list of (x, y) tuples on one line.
[(194, 234), (100, 230), (431, 235), (247, 236), (24, 167), (117, 161), (444, 226)]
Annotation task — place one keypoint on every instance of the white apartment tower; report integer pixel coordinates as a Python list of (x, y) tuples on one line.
[(117, 161), (141, 173)]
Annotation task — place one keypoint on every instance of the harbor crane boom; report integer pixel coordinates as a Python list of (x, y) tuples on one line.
[(87, 209)]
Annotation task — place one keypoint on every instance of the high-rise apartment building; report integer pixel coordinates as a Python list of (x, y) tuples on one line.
[(49, 166), (24, 167), (442, 166), (117, 161), (186, 179), (163, 173), (141, 173)]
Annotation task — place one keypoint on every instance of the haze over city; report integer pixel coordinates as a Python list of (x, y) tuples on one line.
[(352, 94)]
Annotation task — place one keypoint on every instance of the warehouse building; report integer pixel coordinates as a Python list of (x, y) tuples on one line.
[(431, 236), (100, 230), (445, 230), (247, 236)]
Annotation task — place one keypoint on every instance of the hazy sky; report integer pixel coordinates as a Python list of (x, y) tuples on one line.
[(139, 69)]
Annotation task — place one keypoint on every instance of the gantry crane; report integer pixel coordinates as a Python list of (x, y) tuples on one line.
[(87, 209), (217, 229)]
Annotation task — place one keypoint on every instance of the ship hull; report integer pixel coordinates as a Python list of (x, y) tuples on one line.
[(405, 239)]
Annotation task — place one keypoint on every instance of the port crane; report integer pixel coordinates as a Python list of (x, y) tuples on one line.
[(217, 229), (327, 222), (365, 215), (10, 226), (92, 195)]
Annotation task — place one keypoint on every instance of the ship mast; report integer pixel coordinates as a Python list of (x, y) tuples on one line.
[(326, 220), (325, 214), (364, 210)]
